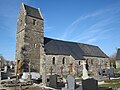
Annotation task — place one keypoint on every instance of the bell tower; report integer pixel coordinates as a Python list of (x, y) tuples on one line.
[(30, 38)]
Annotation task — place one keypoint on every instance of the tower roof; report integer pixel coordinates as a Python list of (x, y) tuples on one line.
[(33, 12), (118, 54)]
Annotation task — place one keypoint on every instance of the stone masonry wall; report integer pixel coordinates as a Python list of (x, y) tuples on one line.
[(58, 63)]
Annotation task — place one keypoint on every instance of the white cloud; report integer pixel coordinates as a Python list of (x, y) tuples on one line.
[(101, 25), (90, 41)]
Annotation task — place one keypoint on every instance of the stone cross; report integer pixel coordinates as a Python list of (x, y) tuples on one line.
[(70, 68), (84, 72), (61, 70), (51, 69)]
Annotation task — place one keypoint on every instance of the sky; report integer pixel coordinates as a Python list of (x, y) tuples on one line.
[(95, 22)]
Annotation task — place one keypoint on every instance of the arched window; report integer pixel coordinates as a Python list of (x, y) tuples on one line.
[(63, 61), (79, 62), (53, 60)]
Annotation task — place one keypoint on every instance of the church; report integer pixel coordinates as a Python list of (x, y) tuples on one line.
[(34, 50)]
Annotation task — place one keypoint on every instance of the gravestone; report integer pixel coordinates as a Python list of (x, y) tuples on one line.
[(11, 66), (5, 69), (33, 76), (25, 76), (111, 72), (84, 72), (71, 82), (90, 84), (53, 81)]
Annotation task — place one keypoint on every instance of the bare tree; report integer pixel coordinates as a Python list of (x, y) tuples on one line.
[(112, 59)]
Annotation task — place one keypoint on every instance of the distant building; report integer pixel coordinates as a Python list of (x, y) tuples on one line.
[(33, 47), (118, 58), (2, 61)]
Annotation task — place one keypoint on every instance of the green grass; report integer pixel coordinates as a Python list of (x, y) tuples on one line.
[(90, 74), (112, 81), (115, 83), (111, 85)]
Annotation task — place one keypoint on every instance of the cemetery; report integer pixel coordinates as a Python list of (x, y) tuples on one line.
[(110, 80)]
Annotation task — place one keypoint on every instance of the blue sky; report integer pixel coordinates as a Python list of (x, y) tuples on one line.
[(95, 22)]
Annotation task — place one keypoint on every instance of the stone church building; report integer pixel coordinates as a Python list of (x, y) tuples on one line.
[(35, 50)]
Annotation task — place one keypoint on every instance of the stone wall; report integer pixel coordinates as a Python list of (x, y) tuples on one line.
[(58, 63), (117, 63), (93, 62), (96, 62), (20, 33)]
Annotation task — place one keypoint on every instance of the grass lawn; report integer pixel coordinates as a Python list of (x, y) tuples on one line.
[(115, 83), (111, 85)]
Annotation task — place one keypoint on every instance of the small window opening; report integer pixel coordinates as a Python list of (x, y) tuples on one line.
[(63, 61), (79, 62), (34, 21), (53, 61)]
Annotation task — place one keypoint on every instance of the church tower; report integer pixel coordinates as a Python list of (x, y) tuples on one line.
[(30, 38)]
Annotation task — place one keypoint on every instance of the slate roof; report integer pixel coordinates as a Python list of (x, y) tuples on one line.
[(31, 11), (92, 51), (118, 54), (77, 50)]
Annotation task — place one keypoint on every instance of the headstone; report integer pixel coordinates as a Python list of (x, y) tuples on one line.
[(25, 76), (90, 84), (8, 78), (5, 69), (85, 72), (34, 75), (11, 66), (0, 75), (71, 82), (53, 81), (71, 85), (111, 72)]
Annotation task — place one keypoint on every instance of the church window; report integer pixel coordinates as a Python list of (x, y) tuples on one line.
[(91, 61), (79, 62), (34, 21), (63, 61), (53, 61)]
